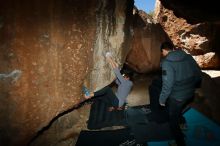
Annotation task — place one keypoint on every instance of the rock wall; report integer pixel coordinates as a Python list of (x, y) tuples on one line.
[(144, 56), (208, 61), (47, 50), (207, 97), (113, 35), (65, 130), (196, 39), (195, 11)]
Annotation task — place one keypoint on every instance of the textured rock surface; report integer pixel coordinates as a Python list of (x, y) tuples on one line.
[(194, 11), (208, 61), (145, 53), (197, 39), (113, 35), (65, 130), (207, 98), (47, 42), (139, 94), (50, 44)]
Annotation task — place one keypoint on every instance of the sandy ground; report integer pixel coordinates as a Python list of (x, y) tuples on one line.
[(139, 94)]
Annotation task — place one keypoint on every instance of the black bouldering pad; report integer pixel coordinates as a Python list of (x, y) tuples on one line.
[(146, 127), (100, 117), (105, 138)]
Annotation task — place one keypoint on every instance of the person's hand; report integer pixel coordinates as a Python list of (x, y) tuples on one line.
[(162, 104), (108, 54)]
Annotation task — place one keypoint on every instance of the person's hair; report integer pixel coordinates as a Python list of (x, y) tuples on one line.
[(128, 74), (167, 46)]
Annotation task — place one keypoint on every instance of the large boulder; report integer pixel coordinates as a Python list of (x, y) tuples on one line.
[(145, 52), (49, 49), (196, 39), (194, 11), (113, 35), (207, 97)]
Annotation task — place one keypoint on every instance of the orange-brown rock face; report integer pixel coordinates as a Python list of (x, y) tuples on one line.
[(49, 44), (197, 39), (147, 37), (193, 11), (47, 50), (208, 60)]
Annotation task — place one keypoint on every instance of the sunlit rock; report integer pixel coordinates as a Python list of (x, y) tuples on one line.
[(145, 53)]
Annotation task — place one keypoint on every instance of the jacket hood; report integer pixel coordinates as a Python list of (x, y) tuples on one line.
[(177, 55)]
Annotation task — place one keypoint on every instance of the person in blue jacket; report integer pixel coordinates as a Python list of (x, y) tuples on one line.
[(181, 76), (117, 100)]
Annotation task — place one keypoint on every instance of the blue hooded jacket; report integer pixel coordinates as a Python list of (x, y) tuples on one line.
[(180, 75)]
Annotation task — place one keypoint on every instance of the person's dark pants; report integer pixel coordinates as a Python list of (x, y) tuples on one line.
[(108, 96), (175, 112), (155, 106)]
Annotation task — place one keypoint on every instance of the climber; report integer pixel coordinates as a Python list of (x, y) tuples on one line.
[(117, 100)]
